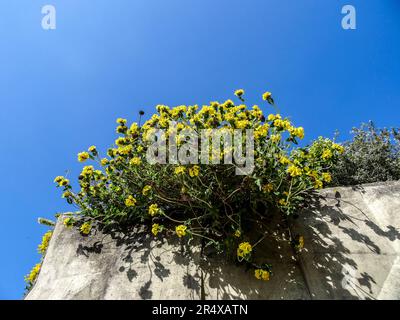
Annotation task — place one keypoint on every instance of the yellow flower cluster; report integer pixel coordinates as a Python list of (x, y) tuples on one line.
[(266, 95), (275, 138), (261, 274), (239, 93), (282, 202), (135, 161), (130, 201), (121, 121), (294, 171), (146, 190), (194, 171), (86, 228), (83, 156), (69, 222), (180, 170), (154, 209), (181, 230), (338, 148), (134, 129), (244, 250), (45, 242), (261, 131), (155, 229), (61, 181), (104, 161), (87, 171), (297, 132), (31, 277), (327, 154), (267, 188), (326, 177), (92, 149)]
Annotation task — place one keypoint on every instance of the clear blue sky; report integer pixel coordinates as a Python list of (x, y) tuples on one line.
[(61, 90)]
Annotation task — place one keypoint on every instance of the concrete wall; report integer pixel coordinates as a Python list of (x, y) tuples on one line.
[(352, 241)]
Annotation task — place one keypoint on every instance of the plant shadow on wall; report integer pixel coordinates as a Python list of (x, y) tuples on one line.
[(152, 266), (342, 246)]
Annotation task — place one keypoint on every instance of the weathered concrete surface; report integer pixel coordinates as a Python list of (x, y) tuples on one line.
[(352, 238), (135, 266)]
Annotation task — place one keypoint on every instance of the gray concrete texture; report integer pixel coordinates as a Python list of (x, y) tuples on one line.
[(352, 242)]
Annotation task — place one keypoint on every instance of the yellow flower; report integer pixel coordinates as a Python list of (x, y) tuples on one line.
[(275, 138), (239, 93), (135, 161), (121, 121), (238, 233), (326, 177), (261, 274), (284, 160), (266, 95), (242, 124), (180, 170), (92, 149), (282, 202), (244, 250), (130, 201), (261, 131), (87, 170), (194, 171), (121, 129), (285, 124), (229, 116), (86, 228), (69, 222), (318, 184), (120, 142), (139, 149), (155, 229), (294, 171), (64, 182), (83, 156), (61, 181), (104, 161), (45, 242), (267, 188), (31, 277), (153, 209), (66, 194), (327, 154), (297, 132), (58, 179), (134, 129), (125, 150), (146, 190), (181, 230), (338, 147)]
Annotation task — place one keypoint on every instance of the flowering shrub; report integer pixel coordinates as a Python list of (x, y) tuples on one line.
[(211, 201), (42, 248)]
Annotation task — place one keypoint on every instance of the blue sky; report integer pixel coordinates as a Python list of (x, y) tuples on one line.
[(61, 90)]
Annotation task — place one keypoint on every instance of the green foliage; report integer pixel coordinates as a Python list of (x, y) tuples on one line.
[(372, 155)]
